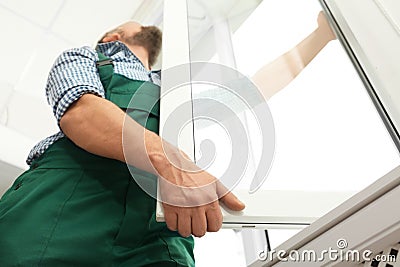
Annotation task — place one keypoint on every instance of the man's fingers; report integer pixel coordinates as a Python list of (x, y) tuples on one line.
[(232, 202), (184, 222), (214, 218), (199, 224), (171, 219)]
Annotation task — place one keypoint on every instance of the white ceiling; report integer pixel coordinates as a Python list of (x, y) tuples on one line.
[(37, 31)]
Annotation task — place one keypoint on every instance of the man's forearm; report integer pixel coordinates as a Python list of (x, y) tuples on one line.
[(307, 49), (98, 126), (276, 75)]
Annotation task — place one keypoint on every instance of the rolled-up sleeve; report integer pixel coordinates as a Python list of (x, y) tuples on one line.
[(73, 74)]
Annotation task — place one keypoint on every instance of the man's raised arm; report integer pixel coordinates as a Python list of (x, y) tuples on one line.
[(274, 76)]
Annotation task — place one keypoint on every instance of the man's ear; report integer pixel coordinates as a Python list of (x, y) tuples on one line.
[(112, 38)]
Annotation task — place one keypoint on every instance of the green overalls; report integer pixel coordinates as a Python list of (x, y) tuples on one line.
[(73, 208)]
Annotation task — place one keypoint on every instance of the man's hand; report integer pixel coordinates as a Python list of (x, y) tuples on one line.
[(190, 195), (324, 27), (201, 219)]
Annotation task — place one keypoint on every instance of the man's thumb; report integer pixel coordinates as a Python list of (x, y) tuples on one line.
[(232, 202)]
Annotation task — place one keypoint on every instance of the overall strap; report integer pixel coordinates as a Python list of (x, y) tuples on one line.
[(105, 68)]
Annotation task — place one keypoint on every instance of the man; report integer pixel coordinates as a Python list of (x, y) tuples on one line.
[(78, 205)]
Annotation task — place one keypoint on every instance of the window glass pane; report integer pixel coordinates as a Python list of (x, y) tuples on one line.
[(328, 134)]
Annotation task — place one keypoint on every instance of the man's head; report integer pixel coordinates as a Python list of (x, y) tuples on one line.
[(134, 34)]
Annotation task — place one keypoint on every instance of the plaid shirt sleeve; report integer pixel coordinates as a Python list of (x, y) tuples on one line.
[(73, 74)]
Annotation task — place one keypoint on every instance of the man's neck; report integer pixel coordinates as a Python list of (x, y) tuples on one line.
[(141, 53)]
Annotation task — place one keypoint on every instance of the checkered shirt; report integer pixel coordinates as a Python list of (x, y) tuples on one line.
[(74, 74)]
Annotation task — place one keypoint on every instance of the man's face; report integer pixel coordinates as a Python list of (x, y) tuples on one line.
[(149, 37)]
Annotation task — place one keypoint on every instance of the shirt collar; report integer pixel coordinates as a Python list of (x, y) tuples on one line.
[(111, 48)]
